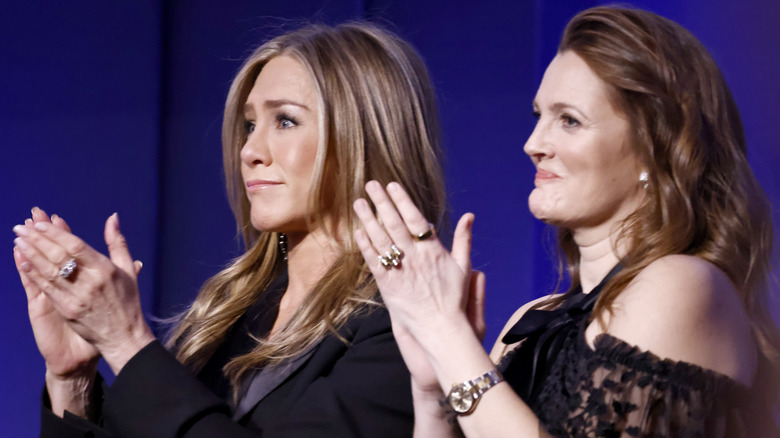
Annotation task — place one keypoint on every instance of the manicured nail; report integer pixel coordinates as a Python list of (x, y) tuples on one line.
[(21, 243), (41, 226), (21, 230), (116, 221), (33, 210), (54, 216), (28, 221)]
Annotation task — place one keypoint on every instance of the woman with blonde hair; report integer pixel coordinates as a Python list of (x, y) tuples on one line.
[(641, 164), (290, 339)]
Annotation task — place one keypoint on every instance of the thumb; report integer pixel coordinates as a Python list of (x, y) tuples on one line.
[(461, 242), (117, 246), (475, 306)]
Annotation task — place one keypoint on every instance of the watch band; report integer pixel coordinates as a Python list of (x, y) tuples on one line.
[(463, 397)]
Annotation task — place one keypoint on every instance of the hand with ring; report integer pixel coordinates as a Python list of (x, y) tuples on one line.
[(71, 362), (428, 285), (68, 281)]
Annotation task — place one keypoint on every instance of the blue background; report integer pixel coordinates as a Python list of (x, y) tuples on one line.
[(116, 106)]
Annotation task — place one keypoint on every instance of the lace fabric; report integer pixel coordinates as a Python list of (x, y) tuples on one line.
[(617, 390)]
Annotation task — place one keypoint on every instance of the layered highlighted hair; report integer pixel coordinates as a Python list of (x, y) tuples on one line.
[(702, 198), (378, 121)]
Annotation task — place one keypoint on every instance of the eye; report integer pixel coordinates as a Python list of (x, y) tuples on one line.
[(249, 127), (283, 121), (569, 121)]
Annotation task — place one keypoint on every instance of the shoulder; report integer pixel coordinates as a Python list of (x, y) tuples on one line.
[(686, 309), (499, 348)]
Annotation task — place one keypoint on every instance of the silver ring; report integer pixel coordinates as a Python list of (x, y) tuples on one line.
[(427, 234), (68, 268)]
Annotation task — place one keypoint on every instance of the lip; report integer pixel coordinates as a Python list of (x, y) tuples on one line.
[(542, 174), (260, 184)]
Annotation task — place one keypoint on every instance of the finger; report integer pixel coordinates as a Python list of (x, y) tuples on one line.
[(369, 252), (413, 219), (396, 228), (138, 265), (73, 245), (375, 233), (117, 246), (29, 288), (30, 267), (461, 242), (60, 223), (39, 215), (475, 307), (43, 254)]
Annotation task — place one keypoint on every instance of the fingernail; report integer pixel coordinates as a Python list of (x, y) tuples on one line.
[(21, 243), (54, 216), (41, 226), (28, 221), (33, 210), (393, 186), (21, 230), (116, 220)]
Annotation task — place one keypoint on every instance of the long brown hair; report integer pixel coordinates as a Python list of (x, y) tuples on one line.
[(702, 198), (378, 121)]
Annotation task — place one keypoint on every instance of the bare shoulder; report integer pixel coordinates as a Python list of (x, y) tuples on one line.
[(499, 348), (686, 309)]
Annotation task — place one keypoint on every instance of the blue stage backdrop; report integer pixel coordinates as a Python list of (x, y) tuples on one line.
[(116, 106)]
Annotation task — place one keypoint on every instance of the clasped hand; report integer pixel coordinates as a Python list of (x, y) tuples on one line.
[(93, 311), (430, 288)]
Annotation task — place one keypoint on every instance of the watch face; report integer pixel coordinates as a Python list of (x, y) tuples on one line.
[(460, 399)]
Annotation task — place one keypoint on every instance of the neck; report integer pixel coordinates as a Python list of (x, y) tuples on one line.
[(309, 256), (597, 257)]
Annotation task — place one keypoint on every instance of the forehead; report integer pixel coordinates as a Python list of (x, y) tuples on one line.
[(284, 78), (568, 79)]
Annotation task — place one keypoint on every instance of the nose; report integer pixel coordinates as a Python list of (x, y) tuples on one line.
[(537, 145), (255, 150)]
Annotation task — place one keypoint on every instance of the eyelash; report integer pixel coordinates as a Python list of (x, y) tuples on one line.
[(282, 118), (569, 121)]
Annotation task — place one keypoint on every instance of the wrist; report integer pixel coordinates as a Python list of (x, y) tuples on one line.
[(117, 356), (71, 392)]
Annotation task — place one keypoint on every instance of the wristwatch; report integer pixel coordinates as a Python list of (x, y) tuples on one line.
[(464, 396)]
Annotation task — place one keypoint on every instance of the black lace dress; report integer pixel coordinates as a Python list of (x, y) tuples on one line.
[(615, 389)]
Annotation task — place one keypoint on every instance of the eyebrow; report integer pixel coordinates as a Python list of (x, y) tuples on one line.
[(558, 106), (276, 103)]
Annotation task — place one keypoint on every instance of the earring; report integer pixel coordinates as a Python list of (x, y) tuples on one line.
[(283, 245), (644, 179)]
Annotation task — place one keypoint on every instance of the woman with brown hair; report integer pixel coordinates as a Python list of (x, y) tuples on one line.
[(289, 339), (666, 235)]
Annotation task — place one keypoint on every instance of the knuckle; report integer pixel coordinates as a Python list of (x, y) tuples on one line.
[(78, 247)]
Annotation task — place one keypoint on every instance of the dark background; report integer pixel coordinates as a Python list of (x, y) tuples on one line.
[(116, 106)]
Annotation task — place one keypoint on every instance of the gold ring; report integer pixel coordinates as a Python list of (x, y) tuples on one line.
[(427, 234)]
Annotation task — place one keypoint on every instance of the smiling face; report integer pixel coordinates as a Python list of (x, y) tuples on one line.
[(586, 171), (277, 161)]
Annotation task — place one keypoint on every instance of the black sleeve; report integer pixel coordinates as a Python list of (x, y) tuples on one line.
[(70, 426)]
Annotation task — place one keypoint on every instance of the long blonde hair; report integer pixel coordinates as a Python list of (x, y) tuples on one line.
[(702, 196), (378, 121)]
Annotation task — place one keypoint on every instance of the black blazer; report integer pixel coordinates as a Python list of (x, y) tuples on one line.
[(358, 389)]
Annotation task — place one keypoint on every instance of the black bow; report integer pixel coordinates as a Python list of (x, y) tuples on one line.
[(541, 331)]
